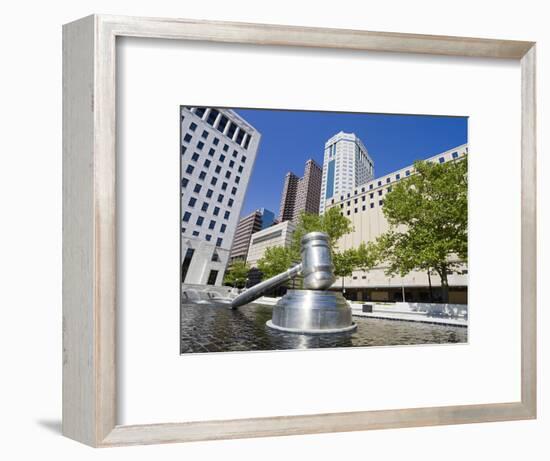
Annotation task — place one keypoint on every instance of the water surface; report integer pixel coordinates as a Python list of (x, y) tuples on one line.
[(207, 328)]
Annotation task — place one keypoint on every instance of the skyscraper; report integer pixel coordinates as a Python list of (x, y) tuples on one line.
[(248, 225), (308, 191), (288, 197), (346, 165), (301, 194), (218, 150)]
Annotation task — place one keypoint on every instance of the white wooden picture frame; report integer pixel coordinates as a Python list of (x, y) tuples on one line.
[(89, 232)]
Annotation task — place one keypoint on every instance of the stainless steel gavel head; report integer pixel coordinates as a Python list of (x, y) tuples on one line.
[(317, 267)]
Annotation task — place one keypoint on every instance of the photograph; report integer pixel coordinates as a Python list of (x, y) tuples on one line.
[(317, 229)]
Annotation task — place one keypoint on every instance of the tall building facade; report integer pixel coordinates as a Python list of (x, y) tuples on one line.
[(218, 150), (288, 197), (248, 225), (363, 206), (308, 191), (346, 164), (301, 194)]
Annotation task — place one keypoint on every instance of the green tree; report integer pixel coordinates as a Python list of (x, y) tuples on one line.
[(331, 223), (366, 257), (344, 264), (428, 218), (274, 261), (236, 274)]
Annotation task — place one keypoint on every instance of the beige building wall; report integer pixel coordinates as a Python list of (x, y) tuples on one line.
[(364, 208), (277, 235)]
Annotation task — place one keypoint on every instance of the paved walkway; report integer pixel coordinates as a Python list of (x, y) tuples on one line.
[(411, 317)]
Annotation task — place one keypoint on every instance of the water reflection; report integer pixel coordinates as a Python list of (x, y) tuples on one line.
[(219, 329)]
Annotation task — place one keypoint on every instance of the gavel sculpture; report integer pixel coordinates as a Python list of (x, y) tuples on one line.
[(313, 310)]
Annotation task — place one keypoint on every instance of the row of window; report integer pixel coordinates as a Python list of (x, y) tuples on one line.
[(380, 192), (364, 197), (187, 217), (213, 182), (209, 194), (363, 208), (223, 123), (200, 146), (208, 237), (454, 155), (371, 186), (192, 202), (207, 162)]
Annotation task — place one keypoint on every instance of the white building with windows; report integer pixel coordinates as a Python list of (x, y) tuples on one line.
[(346, 164), (218, 150)]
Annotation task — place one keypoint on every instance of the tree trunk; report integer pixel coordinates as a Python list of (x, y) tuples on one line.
[(430, 284), (444, 285)]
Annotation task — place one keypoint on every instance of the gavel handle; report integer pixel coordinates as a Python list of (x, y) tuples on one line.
[(258, 290)]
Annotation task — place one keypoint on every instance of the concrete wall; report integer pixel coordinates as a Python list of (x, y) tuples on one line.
[(376, 278)]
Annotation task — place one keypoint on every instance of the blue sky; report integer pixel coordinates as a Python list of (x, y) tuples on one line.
[(289, 138)]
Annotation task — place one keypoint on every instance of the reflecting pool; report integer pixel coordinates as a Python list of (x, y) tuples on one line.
[(206, 328)]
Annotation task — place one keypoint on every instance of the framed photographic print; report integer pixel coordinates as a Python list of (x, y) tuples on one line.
[(317, 213), (240, 262)]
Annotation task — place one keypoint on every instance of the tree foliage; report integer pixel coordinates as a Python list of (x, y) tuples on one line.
[(344, 262), (365, 257), (428, 217), (331, 223), (236, 274), (274, 261)]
